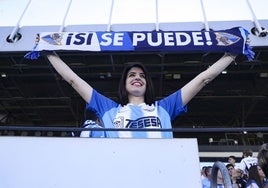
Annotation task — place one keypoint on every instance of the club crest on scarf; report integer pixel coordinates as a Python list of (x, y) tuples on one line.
[(226, 39), (53, 39)]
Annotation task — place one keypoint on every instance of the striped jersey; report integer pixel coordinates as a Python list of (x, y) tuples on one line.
[(142, 116)]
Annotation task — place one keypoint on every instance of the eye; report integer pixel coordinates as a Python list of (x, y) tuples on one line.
[(131, 74), (142, 75)]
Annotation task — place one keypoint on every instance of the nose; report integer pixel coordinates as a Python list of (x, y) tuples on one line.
[(137, 77)]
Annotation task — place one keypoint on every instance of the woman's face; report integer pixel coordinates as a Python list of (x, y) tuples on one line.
[(261, 173), (136, 82)]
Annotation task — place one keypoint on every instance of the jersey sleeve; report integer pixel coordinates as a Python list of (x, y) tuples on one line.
[(173, 104), (100, 103)]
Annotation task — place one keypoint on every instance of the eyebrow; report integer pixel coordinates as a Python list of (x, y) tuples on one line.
[(132, 72)]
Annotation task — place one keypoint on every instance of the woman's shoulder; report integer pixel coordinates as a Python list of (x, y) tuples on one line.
[(252, 184)]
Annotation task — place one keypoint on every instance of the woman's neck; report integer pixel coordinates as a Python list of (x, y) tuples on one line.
[(135, 100)]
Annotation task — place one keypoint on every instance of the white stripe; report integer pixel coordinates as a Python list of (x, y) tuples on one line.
[(126, 112), (147, 111)]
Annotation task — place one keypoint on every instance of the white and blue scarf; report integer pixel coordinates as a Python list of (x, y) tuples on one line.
[(232, 40)]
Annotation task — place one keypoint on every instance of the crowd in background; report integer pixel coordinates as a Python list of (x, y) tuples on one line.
[(250, 172)]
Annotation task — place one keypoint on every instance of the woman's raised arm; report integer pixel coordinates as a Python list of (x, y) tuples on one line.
[(81, 86), (194, 86)]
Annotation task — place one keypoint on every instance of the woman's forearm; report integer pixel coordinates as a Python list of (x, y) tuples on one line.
[(82, 87), (195, 85)]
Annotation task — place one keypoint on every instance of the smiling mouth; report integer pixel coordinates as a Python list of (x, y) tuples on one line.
[(136, 84)]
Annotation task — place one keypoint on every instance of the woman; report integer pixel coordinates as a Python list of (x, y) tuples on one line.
[(263, 158), (137, 107), (256, 177)]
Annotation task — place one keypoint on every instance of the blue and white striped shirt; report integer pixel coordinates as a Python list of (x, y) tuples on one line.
[(158, 115)]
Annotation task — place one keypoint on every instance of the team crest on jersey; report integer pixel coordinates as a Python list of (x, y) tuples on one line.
[(119, 122), (54, 39), (226, 39)]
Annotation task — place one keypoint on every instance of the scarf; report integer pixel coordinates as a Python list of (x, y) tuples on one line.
[(232, 40)]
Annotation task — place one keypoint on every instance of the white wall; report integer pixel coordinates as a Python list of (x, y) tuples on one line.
[(43, 162)]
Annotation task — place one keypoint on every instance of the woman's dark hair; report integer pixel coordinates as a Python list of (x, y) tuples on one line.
[(253, 174), (263, 158), (207, 169), (149, 93)]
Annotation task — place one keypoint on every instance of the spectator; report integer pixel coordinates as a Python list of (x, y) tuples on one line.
[(263, 158), (220, 182), (137, 107), (92, 133), (235, 176), (232, 160), (247, 161), (207, 177), (92, 121), (203, 175), (241, 179), (256, 177)]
